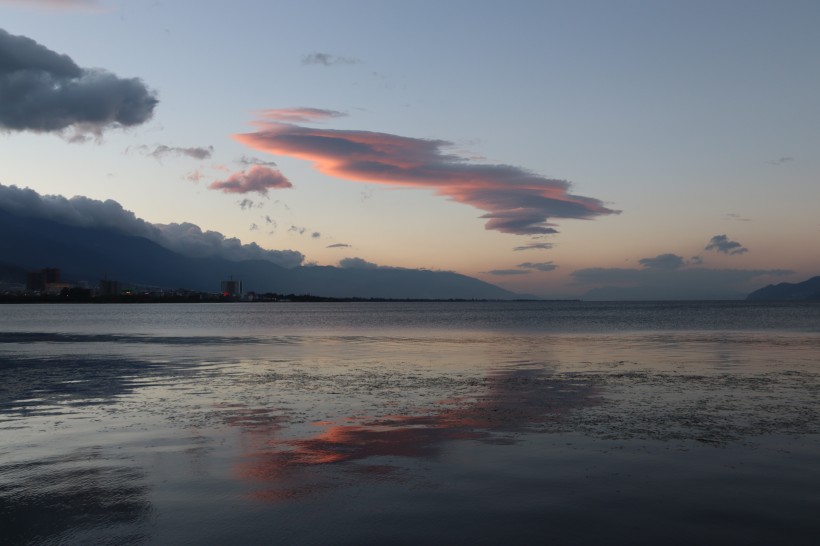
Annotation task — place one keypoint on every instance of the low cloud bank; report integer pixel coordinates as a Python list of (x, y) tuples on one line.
[(356, 263), (664, 282), (185, 238), (663, 261)]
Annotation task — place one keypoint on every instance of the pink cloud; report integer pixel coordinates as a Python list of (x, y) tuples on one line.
[(257, 179), (514, 199), (195, 176), (298, 115), (57, 4)]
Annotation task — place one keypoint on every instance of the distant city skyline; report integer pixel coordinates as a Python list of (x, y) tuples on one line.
[(555, 149)]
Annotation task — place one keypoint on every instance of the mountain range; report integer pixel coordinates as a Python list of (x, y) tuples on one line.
[(806, 290), (94, 253)]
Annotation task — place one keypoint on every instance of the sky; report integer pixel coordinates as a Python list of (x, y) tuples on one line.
[(559, 149)]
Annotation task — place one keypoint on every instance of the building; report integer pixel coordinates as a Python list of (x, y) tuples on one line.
[(231, 288), (109, 288), (41, 281)]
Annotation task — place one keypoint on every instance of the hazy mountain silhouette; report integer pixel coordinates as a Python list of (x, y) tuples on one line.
[(91, 254), (806, 290)]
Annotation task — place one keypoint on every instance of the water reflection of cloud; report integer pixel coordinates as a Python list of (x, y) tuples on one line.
[(506, 402)]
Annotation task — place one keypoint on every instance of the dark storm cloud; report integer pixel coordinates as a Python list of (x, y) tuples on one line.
[(721, 243), (327, 59), (43, 91), (663, 261), (185, 238)]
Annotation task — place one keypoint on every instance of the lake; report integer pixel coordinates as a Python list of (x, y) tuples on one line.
[(408, 423)]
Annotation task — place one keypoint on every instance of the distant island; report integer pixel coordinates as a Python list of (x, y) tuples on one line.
[(786, 291)]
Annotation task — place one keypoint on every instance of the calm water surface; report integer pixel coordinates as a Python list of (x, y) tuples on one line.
[(443, 423)]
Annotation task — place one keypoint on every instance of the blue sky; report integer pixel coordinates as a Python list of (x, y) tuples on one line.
[(678, 121)]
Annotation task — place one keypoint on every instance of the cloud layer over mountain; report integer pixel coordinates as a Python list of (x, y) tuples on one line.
[(186, 238)]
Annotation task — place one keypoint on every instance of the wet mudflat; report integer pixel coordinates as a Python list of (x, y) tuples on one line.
[(330, 435)]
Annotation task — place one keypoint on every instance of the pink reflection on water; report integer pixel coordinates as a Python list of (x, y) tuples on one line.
[(506, 402)]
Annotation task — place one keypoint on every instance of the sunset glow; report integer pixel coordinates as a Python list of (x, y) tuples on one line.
[(593, 140)]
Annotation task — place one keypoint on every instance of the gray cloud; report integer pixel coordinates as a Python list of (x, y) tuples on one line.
[(161, 150), (535, 246), (663, 261), (315, 235), (246, 161), (736, 217), (246, 204), (327, 59), (507, 272), (780, 160), (356, 263), (185, 238), (721, 243), (542, 266), (43, 91), (660, 284), (339, 245)]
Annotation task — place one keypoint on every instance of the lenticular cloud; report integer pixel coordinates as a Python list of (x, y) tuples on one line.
[(514, 200)]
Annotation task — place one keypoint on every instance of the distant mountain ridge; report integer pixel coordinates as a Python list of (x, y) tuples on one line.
[(806, 290), (92, 254)]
